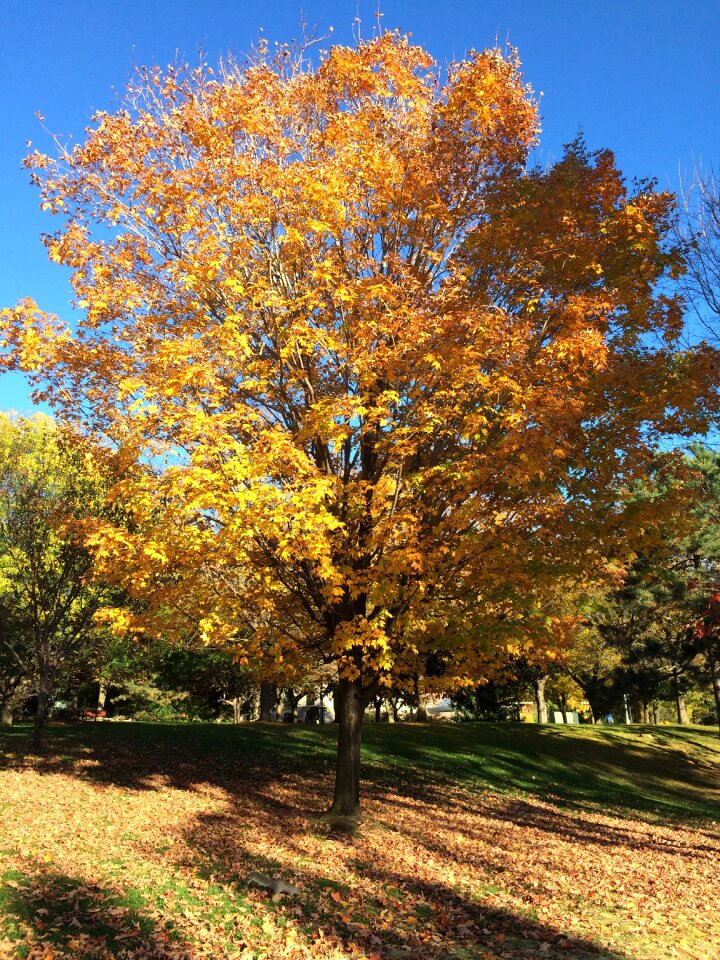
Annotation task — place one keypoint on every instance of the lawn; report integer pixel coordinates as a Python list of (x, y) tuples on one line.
[(477, 842)]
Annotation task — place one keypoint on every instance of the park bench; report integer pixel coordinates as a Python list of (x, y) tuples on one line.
[(93, 714)]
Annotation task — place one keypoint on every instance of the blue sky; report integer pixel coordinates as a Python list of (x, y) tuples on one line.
[(639, 76)]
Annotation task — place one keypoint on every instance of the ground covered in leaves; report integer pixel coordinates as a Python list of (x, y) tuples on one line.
[(477, 842)]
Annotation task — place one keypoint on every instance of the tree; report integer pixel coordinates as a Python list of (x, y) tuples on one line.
[(210, 677), (49, 483), (645, 623), (698, 228), (384, 381), (13, 676)]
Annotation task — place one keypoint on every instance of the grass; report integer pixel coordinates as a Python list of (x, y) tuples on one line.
[(479, 841), (656, 771)]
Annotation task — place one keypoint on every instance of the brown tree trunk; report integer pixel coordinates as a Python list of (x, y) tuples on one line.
[(349, 708), (656, 713), (102, 695), (43, 701), (237, 709), (421, 714), (715, 672), (540, 702), (292, 702), (420, 699), (267, 701), (682, 713), (73, 711), (378, 709), (6, 720)]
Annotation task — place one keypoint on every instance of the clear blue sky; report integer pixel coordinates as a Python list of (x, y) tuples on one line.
[(639, 76)]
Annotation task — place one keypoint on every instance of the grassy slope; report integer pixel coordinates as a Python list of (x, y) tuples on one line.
[(139, 836), (655, 771)]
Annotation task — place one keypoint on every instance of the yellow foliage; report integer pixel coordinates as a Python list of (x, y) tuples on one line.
[(382, 383)]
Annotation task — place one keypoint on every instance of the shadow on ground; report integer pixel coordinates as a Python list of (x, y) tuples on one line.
[(409, 917), (389, 911), (657, 773), (55, 915)]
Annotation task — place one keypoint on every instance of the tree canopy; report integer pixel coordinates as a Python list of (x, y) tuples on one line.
[(50, 485), (386, 382)]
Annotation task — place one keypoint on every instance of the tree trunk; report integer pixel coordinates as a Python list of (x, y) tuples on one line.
[(420, 699), (6, 720), (378, 709), (73, 711), (237, 709), (292, 702), (43, 701), (540, 702), (102, 695), (267, 701), (682, 713), (682, 710), (715, 672), (421, 714), (349, 713), (644, 712), (656, 713)]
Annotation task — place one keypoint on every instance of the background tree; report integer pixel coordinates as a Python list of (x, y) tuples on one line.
[(385, 380), (698, 228), (14, 679), (49, 483)]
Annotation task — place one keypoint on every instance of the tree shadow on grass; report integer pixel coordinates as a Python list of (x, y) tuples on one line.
[(563, 823), (142, 756), (267, 775), (386, 914), (249, 761), (652, 777), (51, 914)]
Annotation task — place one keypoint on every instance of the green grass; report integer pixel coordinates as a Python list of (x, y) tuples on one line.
[(657, 772), (142, 896)]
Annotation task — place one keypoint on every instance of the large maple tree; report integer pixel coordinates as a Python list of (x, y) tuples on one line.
[(384, 379)]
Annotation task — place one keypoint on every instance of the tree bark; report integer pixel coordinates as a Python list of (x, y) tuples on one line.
[(237, 709), (267, 702), (102, 695), (74, 707), (378, 709), (681, 706), (43, 700), (6, 720), (292, 702), (540, 702), (715, 673), (349, 708), (420, 699)]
